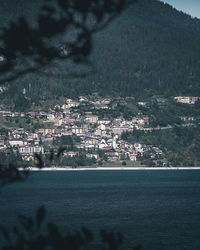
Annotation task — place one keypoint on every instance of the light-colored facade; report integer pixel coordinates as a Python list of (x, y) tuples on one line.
[(31, 149)]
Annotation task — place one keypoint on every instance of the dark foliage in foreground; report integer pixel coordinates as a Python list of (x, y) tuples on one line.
[(33, 233), (10, 173), (25, 48)]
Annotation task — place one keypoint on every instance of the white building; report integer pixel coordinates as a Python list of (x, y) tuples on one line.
[(187, 99), (30, 150), (16, 142)]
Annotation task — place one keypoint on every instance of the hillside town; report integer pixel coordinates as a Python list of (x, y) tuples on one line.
[(95, 134)]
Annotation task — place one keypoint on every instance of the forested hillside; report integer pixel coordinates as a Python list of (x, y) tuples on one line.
[(150, 49)]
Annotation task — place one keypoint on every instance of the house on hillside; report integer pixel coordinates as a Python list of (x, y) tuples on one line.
[(16, 142), (117, 130), (91, 118), (187, 99), (30, 150)]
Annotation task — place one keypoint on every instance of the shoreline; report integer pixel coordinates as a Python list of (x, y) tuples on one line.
[(109, 168)]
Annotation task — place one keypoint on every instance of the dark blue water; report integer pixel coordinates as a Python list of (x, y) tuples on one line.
[(159, 209)]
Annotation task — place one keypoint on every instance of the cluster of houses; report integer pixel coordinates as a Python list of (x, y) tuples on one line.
[(187, 99), (95, 133)]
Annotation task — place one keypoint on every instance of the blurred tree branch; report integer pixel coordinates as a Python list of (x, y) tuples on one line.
[(10, 173), (34, 233), (25, 49)]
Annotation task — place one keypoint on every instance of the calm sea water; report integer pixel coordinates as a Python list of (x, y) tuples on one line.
[(159, 209)]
